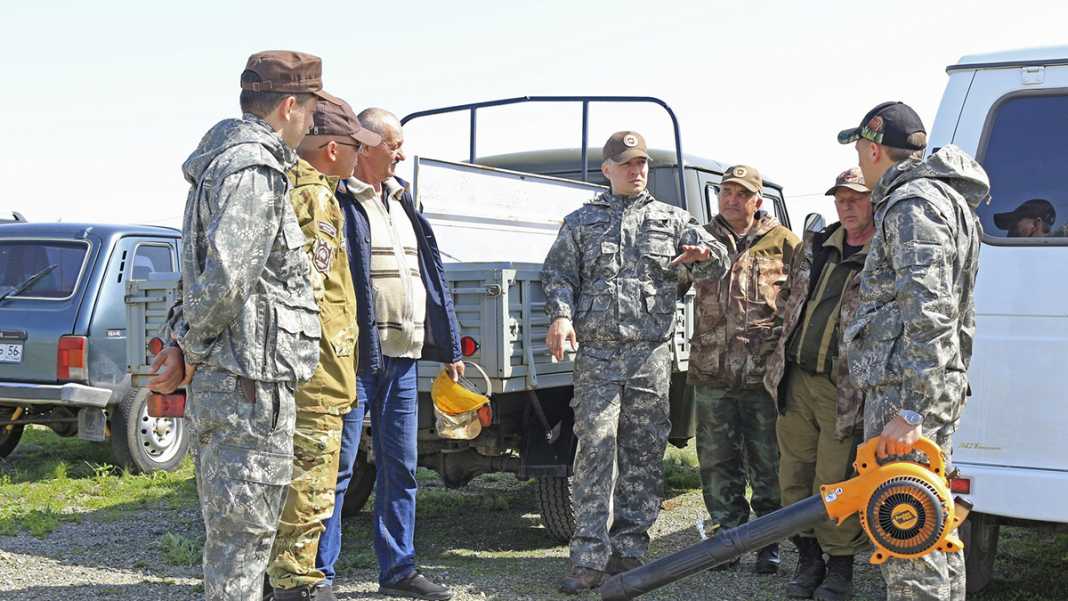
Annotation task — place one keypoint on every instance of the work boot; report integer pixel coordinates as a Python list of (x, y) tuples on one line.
[(312, 592), (617, 564), (838, 585), (810, 568), (581, 579), (767, 561), (416, 586)]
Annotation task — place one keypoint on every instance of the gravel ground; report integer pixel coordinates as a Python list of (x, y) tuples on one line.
[(485, 542)]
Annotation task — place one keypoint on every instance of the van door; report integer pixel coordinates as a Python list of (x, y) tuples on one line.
[(1017, 130)]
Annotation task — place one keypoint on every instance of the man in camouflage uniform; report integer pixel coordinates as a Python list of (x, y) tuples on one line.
[(735, 330), (246, 326), (327, 154), (821, 412), (613, 269), (910, 341)]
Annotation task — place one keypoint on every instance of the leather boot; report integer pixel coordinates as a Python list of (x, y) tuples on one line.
[(838, 585), (581, 579), (768, 560), (617, 564), (810, 568)]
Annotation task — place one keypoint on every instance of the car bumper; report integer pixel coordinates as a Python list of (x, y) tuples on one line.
[(1014, 492), (68, 395)]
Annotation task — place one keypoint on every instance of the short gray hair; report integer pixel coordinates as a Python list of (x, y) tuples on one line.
[(377, 120)]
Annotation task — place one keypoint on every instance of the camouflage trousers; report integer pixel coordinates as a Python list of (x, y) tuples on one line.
[(812, 456), (243, 449), (935, 577), (622, 424), (736, 446), (309, 500)]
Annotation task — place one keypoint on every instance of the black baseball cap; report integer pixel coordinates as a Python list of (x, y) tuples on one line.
[(892, 124), (1038, 208)]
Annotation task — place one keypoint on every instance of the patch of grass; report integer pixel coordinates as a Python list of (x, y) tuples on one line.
[(177, 550), (49, 479), (681, 468)]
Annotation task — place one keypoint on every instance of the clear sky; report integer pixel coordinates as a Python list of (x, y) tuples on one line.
[(103, 100)]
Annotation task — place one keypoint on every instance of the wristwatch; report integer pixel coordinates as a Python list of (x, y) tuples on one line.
[(911, 417)]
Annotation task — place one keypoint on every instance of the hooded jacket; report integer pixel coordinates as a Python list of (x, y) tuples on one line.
[(246, 303), (738, 318), (910, 341)]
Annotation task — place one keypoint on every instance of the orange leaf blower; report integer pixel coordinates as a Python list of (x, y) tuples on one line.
[(905, 508)]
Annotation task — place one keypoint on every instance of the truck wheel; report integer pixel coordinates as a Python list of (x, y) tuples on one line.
[(9, 439), (360, 487), (557, 512), (980, 535), (145, 444)]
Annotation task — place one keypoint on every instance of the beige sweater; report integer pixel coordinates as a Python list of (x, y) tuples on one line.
[(396, 285)]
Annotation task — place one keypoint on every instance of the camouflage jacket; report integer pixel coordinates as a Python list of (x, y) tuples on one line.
[(910, 341), (332, 387), (245, 302), (608, 269), (738, 318), (850, 400)]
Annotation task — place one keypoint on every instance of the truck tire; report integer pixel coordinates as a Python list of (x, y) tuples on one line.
[(557, 511), (360, 487), (980, 535), (9, 439), (144, 444)]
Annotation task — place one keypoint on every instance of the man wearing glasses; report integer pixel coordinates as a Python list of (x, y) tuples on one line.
[(405, 314), (327, 154)]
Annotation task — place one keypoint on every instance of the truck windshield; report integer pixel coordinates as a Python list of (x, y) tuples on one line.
[(22, 259)]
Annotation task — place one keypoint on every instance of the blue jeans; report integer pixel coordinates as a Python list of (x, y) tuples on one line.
[(392, 398)]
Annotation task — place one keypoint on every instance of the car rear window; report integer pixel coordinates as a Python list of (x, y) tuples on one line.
[(20, 260), (1025, 156)]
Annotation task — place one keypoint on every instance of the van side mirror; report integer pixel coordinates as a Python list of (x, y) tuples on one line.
[(814, 222)]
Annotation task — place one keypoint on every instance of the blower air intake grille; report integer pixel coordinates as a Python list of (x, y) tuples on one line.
[(906, 516)]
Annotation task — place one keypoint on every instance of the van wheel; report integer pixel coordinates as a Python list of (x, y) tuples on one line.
[(557, 510), (9, 435), (360, 487), (980, 535), (144, 444)]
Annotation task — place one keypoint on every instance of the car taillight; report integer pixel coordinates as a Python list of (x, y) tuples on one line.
[(961, 485), (155, 346), (468, 346), (72, 358)]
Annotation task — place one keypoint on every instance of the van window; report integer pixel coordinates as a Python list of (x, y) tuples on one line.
[(1025, 155), (711, 200), (57, 265), (151, 258)]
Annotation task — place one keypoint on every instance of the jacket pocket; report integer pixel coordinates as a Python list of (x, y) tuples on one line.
[(296, 343), (872, 350)]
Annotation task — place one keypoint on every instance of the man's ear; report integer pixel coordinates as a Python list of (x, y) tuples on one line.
[(331, 150), (760, 199), (286, 107)]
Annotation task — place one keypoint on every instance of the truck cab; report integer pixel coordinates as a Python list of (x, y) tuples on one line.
[(1007, 109)]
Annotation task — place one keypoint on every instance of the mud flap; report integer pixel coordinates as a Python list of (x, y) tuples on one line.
[(91, 424)]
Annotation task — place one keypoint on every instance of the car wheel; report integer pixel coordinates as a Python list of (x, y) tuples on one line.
[(557, 510), (980, 535), (146, 444), (360, 487)]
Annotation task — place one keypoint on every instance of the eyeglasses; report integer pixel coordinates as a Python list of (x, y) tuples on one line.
[(340, 143)]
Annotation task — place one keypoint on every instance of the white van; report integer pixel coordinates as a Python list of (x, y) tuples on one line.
[(1010, 110)]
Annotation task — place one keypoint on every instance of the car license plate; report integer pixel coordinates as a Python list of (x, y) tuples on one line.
[(10, 353)]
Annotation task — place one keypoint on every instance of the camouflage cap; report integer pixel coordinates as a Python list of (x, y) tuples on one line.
[(892, 124), (285, 71), (333, 119), (1036, 208), (852, 178), (623, 146), (745, 176)]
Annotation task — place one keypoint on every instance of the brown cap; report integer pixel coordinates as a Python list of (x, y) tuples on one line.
[(852, 178), (333, 119), (623, 146), (285, 71), (745, 176)]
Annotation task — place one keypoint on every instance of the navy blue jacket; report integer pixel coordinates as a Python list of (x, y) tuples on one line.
[(441, 341)]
